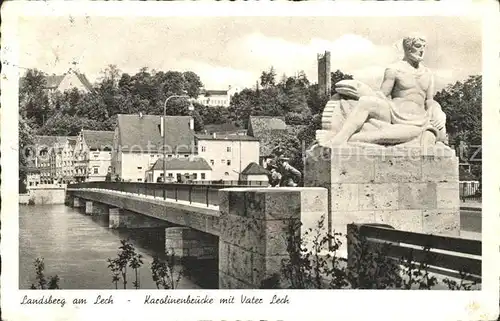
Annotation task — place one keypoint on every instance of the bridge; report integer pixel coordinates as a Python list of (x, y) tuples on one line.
[(245, 227)]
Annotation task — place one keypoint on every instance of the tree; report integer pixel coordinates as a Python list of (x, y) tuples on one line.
[(268, 79), (33, 98), (337, 76), (462, 104), (192, 84)]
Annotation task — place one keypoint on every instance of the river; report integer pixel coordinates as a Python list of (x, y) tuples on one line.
[(76, 247)]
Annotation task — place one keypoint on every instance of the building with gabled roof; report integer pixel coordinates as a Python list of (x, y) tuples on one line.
[(217, 97), (69, 80), (185, 169), (138, 143), (255, 174), (228, 155), (269, 130), (92, 155)]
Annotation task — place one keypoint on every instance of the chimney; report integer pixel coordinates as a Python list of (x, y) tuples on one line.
[(191, 123), (214, 135), (140, 114)]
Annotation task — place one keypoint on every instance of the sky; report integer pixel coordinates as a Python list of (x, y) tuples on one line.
[(234, 51)]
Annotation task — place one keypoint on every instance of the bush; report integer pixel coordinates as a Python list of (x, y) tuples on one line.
[(313, 263)]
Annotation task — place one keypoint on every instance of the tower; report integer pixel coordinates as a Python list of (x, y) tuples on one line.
[(324, 78)]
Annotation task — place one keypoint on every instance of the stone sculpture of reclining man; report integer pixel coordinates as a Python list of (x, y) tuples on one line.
[(402, 111)]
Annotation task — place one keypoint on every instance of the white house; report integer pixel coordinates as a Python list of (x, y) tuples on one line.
[(93, 154), (183, 169), (255, 174), (217, 97), (228, 155), (138, 143), (69, 80)]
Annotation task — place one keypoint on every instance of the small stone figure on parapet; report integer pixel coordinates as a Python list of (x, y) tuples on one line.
[(282, 173)]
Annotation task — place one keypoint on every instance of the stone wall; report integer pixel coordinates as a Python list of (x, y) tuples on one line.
[(410, 189), (255, 227), (47, 195)]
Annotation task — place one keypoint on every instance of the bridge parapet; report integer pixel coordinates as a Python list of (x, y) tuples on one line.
[(256, 225)]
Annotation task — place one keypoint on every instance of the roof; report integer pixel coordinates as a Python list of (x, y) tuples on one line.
[(270, 140), (183, 163), (51, 141), (220, 128), (98, 139), (213, 93), (142, 133), (254, 169), (84, 81), (260, 125), (54, 81), (227, 137)]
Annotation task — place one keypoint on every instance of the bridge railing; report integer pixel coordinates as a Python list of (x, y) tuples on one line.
[(193, 193), (470, 191), (454, 255)]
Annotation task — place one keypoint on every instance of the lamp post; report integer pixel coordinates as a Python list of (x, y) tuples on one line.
[(164, 132)]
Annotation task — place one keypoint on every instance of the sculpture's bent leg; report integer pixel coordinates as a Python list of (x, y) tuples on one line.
[(393, 134), (367, 107)]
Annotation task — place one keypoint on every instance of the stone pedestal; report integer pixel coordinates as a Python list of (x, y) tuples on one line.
[(412, 189), (186, 242), (255, 225)]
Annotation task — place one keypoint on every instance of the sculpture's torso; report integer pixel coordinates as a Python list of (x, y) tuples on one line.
[(410, 88)]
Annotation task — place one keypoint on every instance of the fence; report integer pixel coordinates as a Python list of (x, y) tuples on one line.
[(470, 191), (462, 255), (193, 193)]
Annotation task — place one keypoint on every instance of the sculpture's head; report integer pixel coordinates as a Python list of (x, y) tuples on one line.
[(414, 47)]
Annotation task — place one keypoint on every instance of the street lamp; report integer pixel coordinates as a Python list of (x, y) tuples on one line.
[(190, 108)]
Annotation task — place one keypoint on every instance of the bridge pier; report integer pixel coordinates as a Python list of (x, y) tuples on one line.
[(256, 227), (187, 242), (96, 208), (77, 202), (122, 218)]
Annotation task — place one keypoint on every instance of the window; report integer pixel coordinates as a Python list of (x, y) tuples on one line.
[(203, 149), (139, 179), (96, 170), (186, 156), (223, 161), (169, 175), (212, 162), (169, 156), (202, 175), (226, 173), (139, 167), (186, 175), (195, 176), (228, 149)]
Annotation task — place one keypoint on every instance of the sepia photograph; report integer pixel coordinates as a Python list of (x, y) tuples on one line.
[(249, 152)]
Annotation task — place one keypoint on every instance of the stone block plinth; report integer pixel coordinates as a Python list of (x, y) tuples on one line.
[(185, 242), (255, 229), (412, 189)]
